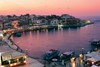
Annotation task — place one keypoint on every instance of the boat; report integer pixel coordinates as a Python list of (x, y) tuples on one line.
[(49, 55), (95, 42), (17, 34), (67, 55)]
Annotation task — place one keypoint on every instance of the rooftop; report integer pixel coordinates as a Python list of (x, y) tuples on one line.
[(31, 62)]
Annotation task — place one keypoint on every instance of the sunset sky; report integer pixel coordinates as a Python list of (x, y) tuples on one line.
[(45, 7)]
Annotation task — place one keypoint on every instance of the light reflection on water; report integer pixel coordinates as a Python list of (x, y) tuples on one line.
[(66, 39)]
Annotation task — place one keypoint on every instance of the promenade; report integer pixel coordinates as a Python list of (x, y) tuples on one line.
[(6, 45)]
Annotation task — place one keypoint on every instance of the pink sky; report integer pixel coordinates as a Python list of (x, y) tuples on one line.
[(45, 7)]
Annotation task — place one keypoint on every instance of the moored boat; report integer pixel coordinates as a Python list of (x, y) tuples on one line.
[(95, 42), (49, 55), (17, 34), (67, 55)]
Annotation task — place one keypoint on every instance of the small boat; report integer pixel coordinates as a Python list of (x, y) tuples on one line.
[(95, 42), (67, 55), (49, 55), (17, 34)]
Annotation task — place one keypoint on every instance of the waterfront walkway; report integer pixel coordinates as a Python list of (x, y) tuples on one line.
[(7, 45)]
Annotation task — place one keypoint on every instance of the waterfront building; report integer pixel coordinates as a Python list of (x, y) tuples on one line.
[(1, 24), (65, 17), (24, 20), (32, 19), (11, 58), (15, 23), (38, 20), (54, 22), (7, 24), (72, 21)]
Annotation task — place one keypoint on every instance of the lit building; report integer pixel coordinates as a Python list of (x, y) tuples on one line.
[(15, 23)]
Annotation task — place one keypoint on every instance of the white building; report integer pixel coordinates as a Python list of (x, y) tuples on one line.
[(54, 22), (11, 58)]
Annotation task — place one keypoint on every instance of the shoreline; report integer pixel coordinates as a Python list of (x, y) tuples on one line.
[(44, 27)]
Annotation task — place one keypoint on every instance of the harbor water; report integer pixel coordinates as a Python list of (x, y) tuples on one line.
[(36, 43)]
